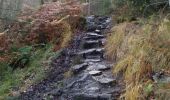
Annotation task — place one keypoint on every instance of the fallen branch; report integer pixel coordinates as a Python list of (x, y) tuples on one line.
[(55, 22)]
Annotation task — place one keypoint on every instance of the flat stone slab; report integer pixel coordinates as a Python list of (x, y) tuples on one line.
[(95, 73), (105, 81), (87, 51), (78, 68), (93, 57), (92, 60), (91, 51), (98, 31), (94, 34), (92, 41), (97, 66), (93, 89)]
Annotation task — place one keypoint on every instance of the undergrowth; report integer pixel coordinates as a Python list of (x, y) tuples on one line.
[(14, 81), (140, 49)]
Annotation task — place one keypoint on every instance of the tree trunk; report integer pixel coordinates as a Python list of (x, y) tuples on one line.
[(42, 2)]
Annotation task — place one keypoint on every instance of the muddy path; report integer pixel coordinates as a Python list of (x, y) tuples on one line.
[(90, 77)]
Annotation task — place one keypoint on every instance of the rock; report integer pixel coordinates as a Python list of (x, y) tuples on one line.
[(94, 34), (92, 52), (92, 44), (56, 92), (93, 38), (90, 18), (93, 89), (85, 96), (97, 66), (161, 78), (105, 81), (93, 57), (98, 31), (100, 50), (76, 69), (102, 67), (95, 73), (87, 51), (103, 41), (92, 60), (108, 20), (101, 27)]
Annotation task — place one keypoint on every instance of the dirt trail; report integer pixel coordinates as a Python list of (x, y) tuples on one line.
[(92, 78)]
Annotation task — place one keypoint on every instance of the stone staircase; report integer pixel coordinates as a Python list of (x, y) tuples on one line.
[(92, 79)]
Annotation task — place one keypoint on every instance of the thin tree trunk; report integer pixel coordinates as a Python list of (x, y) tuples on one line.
[(1, 7), (42, 2)]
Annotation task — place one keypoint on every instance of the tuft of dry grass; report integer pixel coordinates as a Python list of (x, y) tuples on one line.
[(139, 50), (114, 40), (68, 74), (66, 34), (133, 92)]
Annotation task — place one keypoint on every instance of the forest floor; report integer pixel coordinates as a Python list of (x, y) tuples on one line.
[(81, 72)]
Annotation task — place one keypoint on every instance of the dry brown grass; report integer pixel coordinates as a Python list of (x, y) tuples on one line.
[(139, 50)]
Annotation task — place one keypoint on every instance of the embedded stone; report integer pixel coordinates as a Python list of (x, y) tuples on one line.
[(105, 81), (95, 73), (77, 68), (92, 60)]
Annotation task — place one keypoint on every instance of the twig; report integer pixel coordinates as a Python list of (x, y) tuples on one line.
[(55, 22)]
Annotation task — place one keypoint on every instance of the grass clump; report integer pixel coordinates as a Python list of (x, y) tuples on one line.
[(140, 49)]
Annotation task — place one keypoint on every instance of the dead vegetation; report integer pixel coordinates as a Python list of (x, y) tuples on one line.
[(140, 50), (52, 23), (32, 39)]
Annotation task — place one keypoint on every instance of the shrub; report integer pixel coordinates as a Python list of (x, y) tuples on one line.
[(136, 8)]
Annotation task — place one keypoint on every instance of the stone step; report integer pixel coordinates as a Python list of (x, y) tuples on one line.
[(104, 80), (91, 60), (101, 27), (97, 66), (85, 96), (95, 73), (77, 68), (94, 34), (94, 57), (89, 51), (98, 31), (92, 52), (92, 44), (93, 38)]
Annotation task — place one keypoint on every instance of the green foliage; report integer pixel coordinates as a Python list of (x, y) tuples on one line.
[(15, 79), (22, 58), (138, 4), (148, 89), (25, 50), (139, 7)]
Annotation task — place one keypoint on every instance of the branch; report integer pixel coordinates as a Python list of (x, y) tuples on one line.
[(55, 22)]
